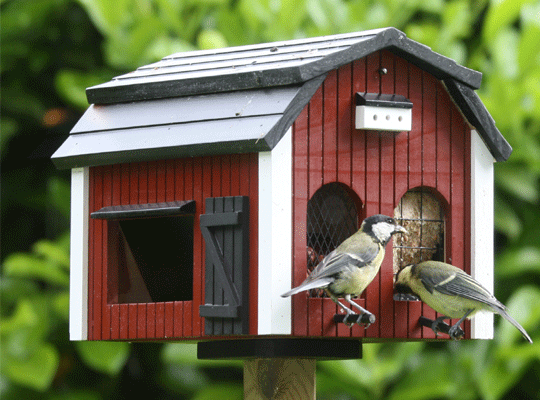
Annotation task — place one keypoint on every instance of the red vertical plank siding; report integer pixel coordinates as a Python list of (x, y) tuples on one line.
[(387, 141), (300, 191), (344, 121), (379, 167), (169, 319), (150, 320), (373, 189), (115, 321), (401, 161), (194, 167), (318, 160), (159, 181), (124, 320), (429, 160), (415, 178), (358, 168), (178, 310), (187, 330), (160, 320), (329, 116), (141, 321), (132, 320)]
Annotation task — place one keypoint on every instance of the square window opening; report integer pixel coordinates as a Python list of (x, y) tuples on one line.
[(151, 259)]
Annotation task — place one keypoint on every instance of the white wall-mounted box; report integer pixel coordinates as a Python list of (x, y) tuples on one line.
[(383, 112)]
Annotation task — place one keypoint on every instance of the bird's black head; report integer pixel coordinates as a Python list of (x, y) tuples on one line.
[(401, 288), (381, 227)]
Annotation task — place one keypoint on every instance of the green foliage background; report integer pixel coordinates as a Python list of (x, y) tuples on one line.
[(51, 50)]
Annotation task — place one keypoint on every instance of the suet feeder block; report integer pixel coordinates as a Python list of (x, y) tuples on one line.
[(207, 184)]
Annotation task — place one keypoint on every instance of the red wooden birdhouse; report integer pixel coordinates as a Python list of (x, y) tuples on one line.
[(209, 183)]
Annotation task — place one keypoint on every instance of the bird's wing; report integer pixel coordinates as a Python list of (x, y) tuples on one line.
[(457, 283), (334, 262)]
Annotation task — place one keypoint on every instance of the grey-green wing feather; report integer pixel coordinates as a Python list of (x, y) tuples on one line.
[(333, 263), (461, 284)]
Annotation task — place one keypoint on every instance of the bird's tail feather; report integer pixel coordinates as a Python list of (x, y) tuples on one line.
[(507, 316), (317, 283)]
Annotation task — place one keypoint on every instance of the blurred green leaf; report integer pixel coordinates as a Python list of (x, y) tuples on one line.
[(24, 265), (211, 39), (529, 41), (518, 181), (519, 261), (60, 305), (24, 315), (430, 380), (108, 16), (13, 289), (103, 356), (52, 251), (523, 307), (223, 391), (36, 370), (501, 14)]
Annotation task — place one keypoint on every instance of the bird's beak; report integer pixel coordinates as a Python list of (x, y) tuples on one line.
[(400, 229)]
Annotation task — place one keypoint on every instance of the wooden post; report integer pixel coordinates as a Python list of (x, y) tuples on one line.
[(279, 378)]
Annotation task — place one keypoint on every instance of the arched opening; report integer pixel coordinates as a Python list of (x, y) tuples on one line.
[(332, 216), (422, 213)]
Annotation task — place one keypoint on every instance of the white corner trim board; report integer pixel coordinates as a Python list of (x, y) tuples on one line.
[(78, 275), (275, 238), (482, 229)]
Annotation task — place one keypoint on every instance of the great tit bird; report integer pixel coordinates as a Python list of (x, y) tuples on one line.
[(347, 270), (451, 292)]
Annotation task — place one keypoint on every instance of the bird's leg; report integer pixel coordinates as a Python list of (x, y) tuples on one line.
[(363, 310), (454, 328), (347, 310), (435, 324)]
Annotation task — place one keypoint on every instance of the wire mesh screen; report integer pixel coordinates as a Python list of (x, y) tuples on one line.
[(420, 212), (332, 216)]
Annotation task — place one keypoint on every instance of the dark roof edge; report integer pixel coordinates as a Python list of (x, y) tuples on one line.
[(192, 150), (117, 91), (476, 113), (397, 42), (293, 110), (423, 57)]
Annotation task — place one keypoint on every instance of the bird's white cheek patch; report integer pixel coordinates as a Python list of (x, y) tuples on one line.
[(383, 231)]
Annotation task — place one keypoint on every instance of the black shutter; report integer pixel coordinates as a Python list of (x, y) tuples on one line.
[(225, 231)]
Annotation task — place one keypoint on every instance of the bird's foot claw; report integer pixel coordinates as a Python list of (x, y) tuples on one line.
[(455, 332)]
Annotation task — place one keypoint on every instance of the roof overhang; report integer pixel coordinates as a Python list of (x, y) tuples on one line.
[(231, 122)]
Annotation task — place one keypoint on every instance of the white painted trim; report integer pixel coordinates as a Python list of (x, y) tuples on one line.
[(275, 238), (78, 276), (482, 228)]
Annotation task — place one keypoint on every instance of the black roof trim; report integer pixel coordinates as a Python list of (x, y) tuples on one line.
[(165, 209), (269, 65), (382, 100), (475, 112)]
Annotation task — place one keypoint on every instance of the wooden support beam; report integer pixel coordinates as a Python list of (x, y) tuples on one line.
[(279, 378)]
